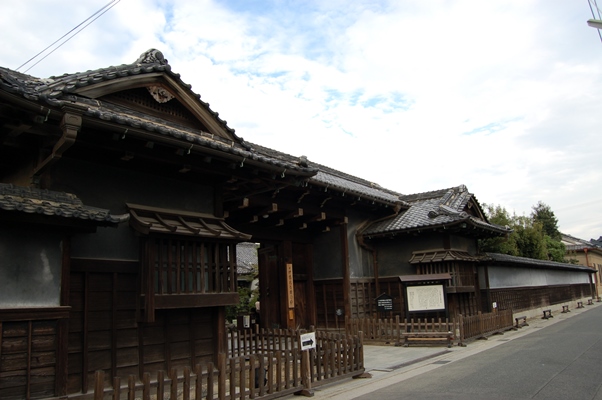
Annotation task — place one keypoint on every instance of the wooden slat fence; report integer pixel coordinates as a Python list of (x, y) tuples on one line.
[(251, 341), (485, 324), (267, 364), (392, 329)]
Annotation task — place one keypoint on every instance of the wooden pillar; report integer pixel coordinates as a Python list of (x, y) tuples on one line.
[(488, 289), (376, 272), (311, 290), (220, 344), (62, 328), (477, 288), (345, 268), (287, 285)]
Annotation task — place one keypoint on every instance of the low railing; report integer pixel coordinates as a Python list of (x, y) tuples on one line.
[(392, 330), (254, 340), (464, 328), (485, 324), (268, 364)]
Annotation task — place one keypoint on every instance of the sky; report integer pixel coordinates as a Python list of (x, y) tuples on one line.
[(501, 96)]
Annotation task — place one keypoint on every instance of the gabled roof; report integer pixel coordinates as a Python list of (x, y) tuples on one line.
[(447, 208), (575, 244), (27, 200), (88, 92), (151, 69)]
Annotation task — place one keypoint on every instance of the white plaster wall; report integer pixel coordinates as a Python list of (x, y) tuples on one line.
[(507, 277)]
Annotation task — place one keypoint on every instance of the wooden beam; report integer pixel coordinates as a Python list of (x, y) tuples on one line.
[(272, 208), (320, 217), (295, 214), (244, 203), (171, 301), (70, 125)]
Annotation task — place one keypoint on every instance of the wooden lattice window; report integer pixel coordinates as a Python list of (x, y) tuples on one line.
[(461, 273), (180, 266)]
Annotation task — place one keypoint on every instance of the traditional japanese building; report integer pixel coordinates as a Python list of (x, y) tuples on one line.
[(115, 253), (584, 252), (123, 196)]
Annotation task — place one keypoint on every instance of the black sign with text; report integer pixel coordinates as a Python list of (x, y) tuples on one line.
[(384, 302)]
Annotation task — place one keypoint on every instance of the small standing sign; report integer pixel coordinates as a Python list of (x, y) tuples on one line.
[(384, 302), (308, 342)]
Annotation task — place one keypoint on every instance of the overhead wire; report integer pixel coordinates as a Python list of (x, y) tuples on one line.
[(593, 4), (106, 8)]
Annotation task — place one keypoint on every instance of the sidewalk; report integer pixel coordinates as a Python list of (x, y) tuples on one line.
[(388, 364)]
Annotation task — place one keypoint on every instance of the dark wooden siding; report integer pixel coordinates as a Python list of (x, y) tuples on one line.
[(29, 361), (103, 329), (525, 298), (329, 299), (106, 333)]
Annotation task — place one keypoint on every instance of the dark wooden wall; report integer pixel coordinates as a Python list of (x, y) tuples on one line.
[(29, 359), (329, 299), (105, 331), (363, 293), (525, 298)]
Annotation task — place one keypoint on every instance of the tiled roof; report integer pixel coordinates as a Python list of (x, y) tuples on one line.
[(435, 256), (246, 258), (36, 201), (596, 242), (575, 244), (330, 178), (62, 90), (433, 209), (531, 262), (147, 220), (344, 183), (55, 88)]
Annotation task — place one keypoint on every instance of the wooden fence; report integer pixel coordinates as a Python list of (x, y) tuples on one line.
[(464, 328), (392, 330), (483, 325), (260, 365)]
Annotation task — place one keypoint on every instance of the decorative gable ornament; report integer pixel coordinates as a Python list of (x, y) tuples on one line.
[(160, 94), (151, 56)]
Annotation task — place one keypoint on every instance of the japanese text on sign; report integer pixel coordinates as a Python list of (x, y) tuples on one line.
[(425, 298)]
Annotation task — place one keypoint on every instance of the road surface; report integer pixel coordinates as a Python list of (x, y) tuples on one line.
[(560, 361)]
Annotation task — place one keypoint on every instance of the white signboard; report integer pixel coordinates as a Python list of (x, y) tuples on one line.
[(426, 298), (308, 341)]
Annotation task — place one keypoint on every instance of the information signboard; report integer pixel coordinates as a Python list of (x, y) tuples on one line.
[(384, 302), (425, 298)]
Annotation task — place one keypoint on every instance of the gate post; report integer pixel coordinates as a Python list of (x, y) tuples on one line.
[(99, 384)]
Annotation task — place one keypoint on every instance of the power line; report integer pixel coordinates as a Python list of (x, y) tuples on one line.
[(595, 5), (110, 5)]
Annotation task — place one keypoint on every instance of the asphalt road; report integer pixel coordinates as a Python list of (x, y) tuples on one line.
[(560, 361)]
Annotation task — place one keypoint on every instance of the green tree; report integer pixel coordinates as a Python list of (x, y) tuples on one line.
[(501, 244), (556, 250), (530, 239), (542, 213), (535, 236)]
